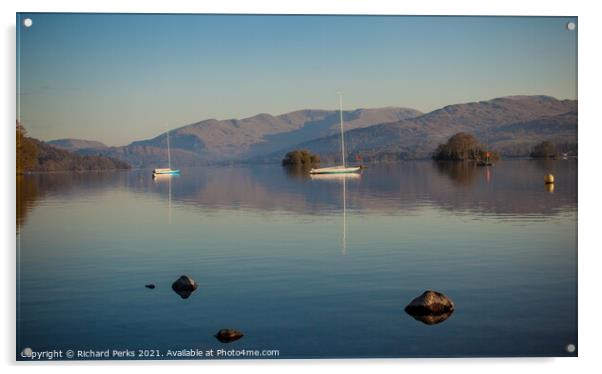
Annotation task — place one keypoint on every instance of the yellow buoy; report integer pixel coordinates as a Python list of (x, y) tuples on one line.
[(549, 179)]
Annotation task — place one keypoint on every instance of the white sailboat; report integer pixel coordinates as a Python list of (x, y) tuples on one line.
[(168, 170), (340, 169)]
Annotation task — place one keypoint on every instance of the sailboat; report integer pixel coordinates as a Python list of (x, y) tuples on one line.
[(340, 169), (168, 170)]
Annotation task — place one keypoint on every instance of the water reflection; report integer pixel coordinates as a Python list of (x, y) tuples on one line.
[(431, 319), (166, 178), (28, 194), (297, 172), (32, 189), (510, 188), (550, 166), (462, 173), (342, 179), (412, 225)]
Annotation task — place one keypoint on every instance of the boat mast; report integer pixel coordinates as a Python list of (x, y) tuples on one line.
[(344, 249), (168, 152), (342, 137)]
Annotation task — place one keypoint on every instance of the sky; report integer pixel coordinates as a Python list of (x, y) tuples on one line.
[(117, 78)]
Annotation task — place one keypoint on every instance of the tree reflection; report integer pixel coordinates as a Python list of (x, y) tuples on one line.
[(33, 188), (28, 193), (461, 172), (297, 171)]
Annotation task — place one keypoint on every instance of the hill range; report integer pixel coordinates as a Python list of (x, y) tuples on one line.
[(510, 125)]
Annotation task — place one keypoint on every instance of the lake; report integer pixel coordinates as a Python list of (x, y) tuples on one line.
[(311, 267)]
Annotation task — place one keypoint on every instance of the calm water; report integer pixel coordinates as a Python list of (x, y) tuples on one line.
[(310, 267)]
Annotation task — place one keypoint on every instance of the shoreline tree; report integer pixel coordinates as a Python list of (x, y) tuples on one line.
[(300, 157), (27, 152), (545, 149), (34, 155), (463, 147)]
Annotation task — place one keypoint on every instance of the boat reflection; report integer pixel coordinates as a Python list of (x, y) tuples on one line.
[(488, 174), (166, 178), (335, 177), (340, 178)]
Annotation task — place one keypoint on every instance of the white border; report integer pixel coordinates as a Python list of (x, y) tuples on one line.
[(589, 174)]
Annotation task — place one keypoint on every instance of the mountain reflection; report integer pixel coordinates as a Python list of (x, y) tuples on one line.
[(514, 188)]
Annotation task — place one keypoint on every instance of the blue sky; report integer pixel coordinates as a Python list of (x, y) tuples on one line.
[(119, 78)]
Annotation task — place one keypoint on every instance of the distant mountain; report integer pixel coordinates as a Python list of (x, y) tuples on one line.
[(76, 144), (510, 125), (517, 139), (212, 140)]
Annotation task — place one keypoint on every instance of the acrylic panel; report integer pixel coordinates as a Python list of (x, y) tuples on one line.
[(209, 187)]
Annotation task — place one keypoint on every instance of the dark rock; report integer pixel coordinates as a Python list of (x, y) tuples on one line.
[(151, 286), (431, 307), (430, 302), (184, 286), (228, 335)]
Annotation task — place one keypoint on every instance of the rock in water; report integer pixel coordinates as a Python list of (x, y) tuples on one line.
[(431, 307), (430, 302), (184, 286), (151, 286), (228, 335)]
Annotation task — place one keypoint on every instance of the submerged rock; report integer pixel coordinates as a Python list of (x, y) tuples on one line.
[(228, 335), (151, 286), (184, 286), (431, 307)]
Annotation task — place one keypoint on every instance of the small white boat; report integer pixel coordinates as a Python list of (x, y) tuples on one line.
[(340, 169), (336, 170), (165, 171), (168, 170)]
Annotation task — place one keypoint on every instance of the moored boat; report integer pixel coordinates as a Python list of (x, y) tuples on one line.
[(165, 171), (335, 170), (168, 170), (340, 169)]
